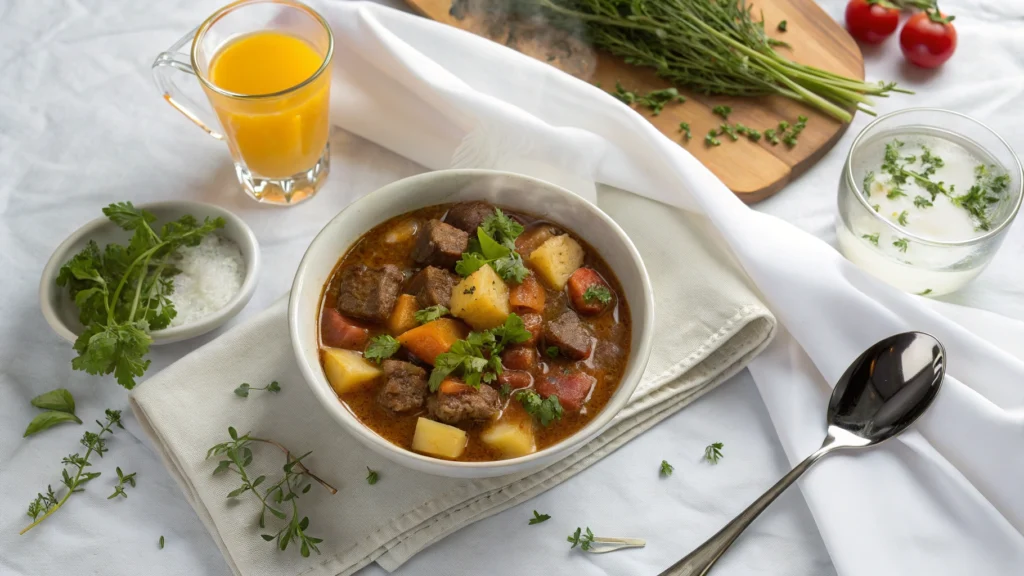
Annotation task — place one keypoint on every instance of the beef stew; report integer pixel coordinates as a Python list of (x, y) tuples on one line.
[(472, 333)]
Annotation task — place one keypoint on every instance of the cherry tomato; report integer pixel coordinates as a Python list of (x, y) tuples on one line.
[(871, 21), (928, 39)]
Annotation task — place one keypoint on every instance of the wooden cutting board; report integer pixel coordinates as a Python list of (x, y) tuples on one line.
[(753, 171)]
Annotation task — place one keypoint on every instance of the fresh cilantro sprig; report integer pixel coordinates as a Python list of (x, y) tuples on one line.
[(122, 292), (495, 245), (275, 497), (478, 358), (597, 293), (430, 314), (381, 347), (46, 504), (545, 410)]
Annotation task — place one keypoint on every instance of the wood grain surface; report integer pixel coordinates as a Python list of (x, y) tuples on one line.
[(753, 171)]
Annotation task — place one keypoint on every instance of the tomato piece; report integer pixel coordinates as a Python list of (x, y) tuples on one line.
[(928, 39), (871, 21), (572, 389), (337, 331), (519, 358), (528, 295), (589, 293)]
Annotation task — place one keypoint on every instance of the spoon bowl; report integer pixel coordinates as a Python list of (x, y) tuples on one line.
[(882, 393)]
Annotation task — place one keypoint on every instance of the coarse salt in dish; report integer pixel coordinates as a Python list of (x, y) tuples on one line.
[(211, 275)]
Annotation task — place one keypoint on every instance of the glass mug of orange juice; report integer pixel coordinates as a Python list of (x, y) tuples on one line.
[(264, 66)]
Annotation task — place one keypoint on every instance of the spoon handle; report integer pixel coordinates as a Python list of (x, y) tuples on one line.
[(699, 562)]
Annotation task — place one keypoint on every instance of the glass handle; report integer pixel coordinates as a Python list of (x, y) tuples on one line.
[(164, 68)]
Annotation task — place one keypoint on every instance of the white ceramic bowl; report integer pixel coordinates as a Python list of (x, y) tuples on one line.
[(516, 192), (60, 311)]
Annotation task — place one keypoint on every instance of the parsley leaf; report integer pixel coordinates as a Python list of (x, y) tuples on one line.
[(597, 293), (666, 468), (901, 243), (122, 292), (722, 111), (713, 452), (538, 518), (902, 219), (430, 314), (501, 228), (545, 410), (478, 358), (381, 347), (495, 245), (552, 351), (873, 238)]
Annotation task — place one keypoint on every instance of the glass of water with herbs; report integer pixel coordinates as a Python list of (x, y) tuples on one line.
[(926, 198)]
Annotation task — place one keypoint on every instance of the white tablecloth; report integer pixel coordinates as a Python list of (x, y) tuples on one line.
[(81, 126)]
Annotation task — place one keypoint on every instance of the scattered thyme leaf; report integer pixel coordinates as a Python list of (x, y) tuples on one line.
[(538, 518), (244, 388), (161, 542), (713, 452), (783, 25), (371, 476), (666, 468), (585, 541)]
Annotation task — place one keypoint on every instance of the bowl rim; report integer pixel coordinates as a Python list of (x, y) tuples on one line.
[(60, 255), (627, 385)]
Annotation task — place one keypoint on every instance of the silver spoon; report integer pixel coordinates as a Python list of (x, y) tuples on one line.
[(878, 397)]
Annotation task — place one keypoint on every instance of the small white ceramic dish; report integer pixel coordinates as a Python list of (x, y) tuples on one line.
[(60, 311), (502, 188)]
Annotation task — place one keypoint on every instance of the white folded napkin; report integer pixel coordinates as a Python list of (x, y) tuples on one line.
[(709, 325), (945, 498)]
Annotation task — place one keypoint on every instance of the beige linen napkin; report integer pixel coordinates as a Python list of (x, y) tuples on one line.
[(709, 323)]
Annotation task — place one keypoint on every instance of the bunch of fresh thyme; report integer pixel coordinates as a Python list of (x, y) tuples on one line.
[(274, 497), (712, 46)]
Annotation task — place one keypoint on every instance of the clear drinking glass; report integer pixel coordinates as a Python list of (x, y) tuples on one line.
[(278, 140), (925, 266)]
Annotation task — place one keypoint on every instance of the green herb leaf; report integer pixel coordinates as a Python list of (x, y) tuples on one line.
[(902, 218), (381, 347), (161, 542), (545, 410), (477, 358), (925, 292), (722, 111), (502, 228), (713, 452), (782, 26), (922, 202), (597, 293), (47, 420), (59, 400), (585, 541), (666, 468), (873, 238), (538, 518), (552, 351), (430, 314), (371, 476), (901, 243)]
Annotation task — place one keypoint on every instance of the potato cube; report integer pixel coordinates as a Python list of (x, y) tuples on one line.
[(511, 437), (556, 259), (348, 371), (437, 439), (481, 299)]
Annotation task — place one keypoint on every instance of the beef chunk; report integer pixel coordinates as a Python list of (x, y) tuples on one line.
[(570, 336), (464, 404), (468, 216), (337, 331), (432, 287), (439, 244), (369, 293), (519, 358), (533, 324), (405, 386), (572, 389), (608, 355)]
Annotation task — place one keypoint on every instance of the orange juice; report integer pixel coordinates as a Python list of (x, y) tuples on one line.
[(274, 136)]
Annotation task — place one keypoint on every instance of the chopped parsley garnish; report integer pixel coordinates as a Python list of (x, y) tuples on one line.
[(710, 139), (869, 179), (505, 390), (538, 518), (987, 190), (753, 135), (922, 202), (783, 26), (666, 468), (684, 127), (381, 347), (430, 314), (478, 357), (597, 293), (495, 245), (371, 476), (713, 452), (722, 111), (873, 238), (901, 243), (729, 131), (926, 292), (655, 100), (552, 351), (771, 137), (583, 540), (902, 218), (545, 410)]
